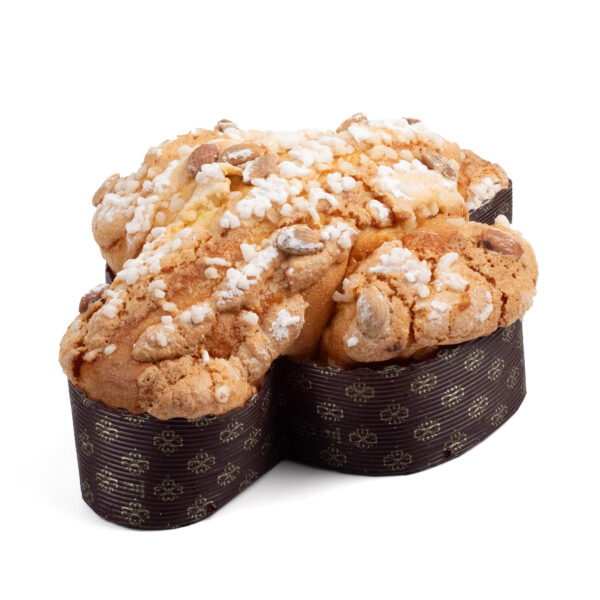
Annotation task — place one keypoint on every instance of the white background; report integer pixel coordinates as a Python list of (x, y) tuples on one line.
[(88, 87)]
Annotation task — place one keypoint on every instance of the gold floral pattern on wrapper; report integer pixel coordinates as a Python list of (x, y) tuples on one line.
[(168, 490), (333, 456), (135, 514), (228, 475), (201, 508), (144, 473), (478, 407), (400, 419), (135, 463), (394, 414), (106, 481), (427, 430), (360, 392), (423, 384), (201, 463), (85, 445), (330, 411), (168, 441), (453, 395), (363, 438), (251, 476), (86, 491), (105, 430), (231, 432), (397, 460), (455, 442), (137, 420)]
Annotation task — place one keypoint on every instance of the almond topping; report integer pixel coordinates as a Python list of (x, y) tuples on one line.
[(262, 167), (501, 242), (357, 118), (223, 124), (106, 188), (91, 297), (240, 153), (202, 155), (372, 312), (299, 240), (435, 161)]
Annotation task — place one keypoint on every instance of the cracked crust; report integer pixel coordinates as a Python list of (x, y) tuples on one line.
[(164, 190), (445, 283), (212, 283)]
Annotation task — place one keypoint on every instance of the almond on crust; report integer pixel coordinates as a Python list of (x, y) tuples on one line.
[(441, 284)]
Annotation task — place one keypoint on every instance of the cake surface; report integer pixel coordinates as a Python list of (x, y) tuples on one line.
[(228, 247), (374, 153), (447, 282)]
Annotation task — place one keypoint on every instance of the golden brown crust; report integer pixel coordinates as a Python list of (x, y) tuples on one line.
[(479, 180), (163, 175), (320, 306), (447, 282), (216, 278)]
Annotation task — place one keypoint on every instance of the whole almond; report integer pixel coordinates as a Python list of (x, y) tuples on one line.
[(501, 242), (106, 188), (261, 167), (423, 240), (202, 155), (223, 124), (91, 297), (448, 172), (372, 312), (435, 161), (299, 240), (356, 118), (239, 154)]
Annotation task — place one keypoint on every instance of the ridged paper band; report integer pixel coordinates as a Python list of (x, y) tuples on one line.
[(139, 471), (401, 419)]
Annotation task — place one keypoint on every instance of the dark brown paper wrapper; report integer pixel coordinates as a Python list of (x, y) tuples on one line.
[(402, 418), (141, 472)]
